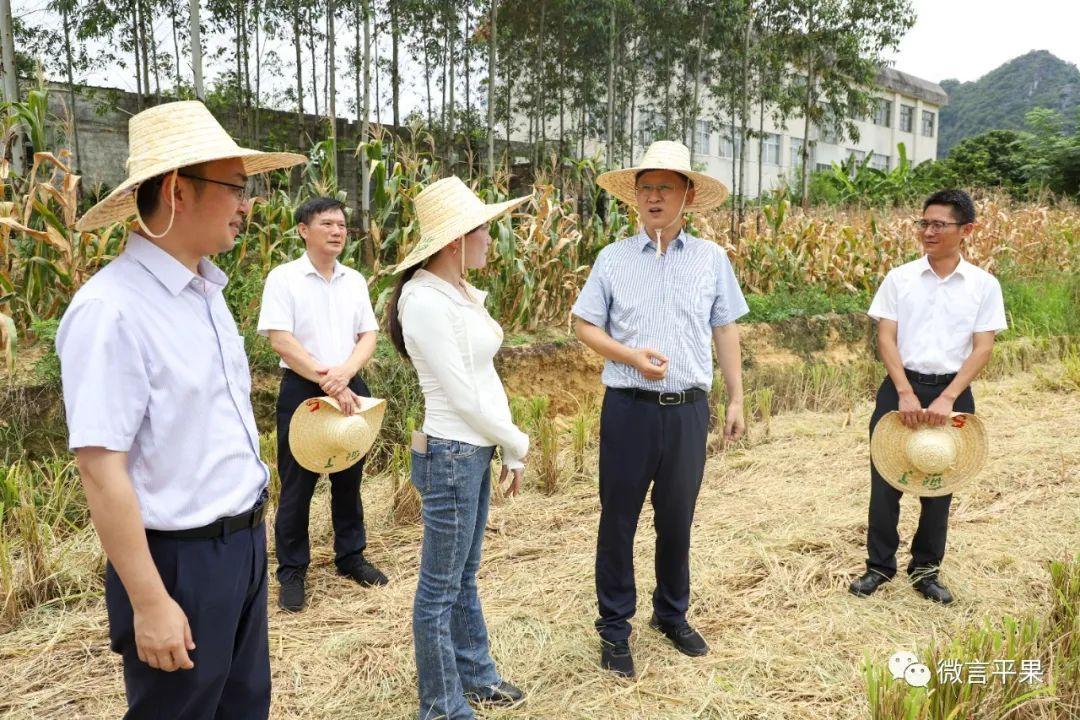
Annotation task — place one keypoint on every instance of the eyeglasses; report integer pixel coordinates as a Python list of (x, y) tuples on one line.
[(241, 192), (934, 225), (665, 189)]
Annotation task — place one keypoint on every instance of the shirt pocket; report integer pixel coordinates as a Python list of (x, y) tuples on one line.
[(962, 312)]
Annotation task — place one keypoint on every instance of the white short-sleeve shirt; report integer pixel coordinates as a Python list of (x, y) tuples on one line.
[(936, 317), (325, 317), (152, 365)]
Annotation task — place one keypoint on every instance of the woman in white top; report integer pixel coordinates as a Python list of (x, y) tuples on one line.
[(438, 321)]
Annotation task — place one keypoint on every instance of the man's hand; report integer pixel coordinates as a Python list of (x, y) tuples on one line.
[(940, 410), (515, 484), (734, 423), (163, 636), (911, 410), (651, 364), (334, 379), (348, 401)]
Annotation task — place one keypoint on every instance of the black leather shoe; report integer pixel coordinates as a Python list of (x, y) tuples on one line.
[(931, 589), (503, 695), (867, 584), (291, 593), (364, 573), (616, 657), (686, 639)]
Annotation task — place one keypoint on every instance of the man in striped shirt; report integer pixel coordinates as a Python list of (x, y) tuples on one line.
[(653, 306)]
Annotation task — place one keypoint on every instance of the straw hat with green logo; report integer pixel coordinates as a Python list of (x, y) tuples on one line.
[(447, 209), (665, 155), (169, 137), (929, 461), (325, 440)]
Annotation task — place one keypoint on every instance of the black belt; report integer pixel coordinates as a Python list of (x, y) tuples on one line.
[(924, 379), (665, 398), (220, 527)]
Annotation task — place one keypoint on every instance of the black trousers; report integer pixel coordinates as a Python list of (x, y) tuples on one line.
[(220, 584), (643, 443), (298, 485), (882, 538)]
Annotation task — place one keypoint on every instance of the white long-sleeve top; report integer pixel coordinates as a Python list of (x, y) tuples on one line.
[(452, 344)]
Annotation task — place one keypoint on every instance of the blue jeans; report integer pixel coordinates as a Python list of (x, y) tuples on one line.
[(450, 637)]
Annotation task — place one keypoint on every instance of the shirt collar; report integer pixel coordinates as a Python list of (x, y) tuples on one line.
[(169, 271), (646, 242), (429, 279), (963, 269), (309, 267)]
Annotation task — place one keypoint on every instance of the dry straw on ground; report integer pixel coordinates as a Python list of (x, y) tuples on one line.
[(770, 562)]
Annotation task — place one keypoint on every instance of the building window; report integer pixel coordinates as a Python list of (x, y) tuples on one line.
[(648, 124), (907, 118), (883, 113), (822, 167), (796, 153), (730, 142), (829, 133), (927, 123), (770, 148), (703, 137), (859, 155), (879, 161)]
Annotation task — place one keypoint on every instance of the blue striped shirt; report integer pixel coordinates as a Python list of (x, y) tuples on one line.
[(669, 304)]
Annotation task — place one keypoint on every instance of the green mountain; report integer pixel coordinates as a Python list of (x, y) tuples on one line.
[(1001, 98)]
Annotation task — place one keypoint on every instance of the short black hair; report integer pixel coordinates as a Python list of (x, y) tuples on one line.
[(962, 208), (639, 173), (315, 206), (148, 194)]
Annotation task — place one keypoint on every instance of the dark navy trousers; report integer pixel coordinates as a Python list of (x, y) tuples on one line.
[(220, 584), (643, 443), (882, 538), (291, 542)]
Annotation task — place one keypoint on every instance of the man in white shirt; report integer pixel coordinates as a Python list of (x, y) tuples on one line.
[(157, 395), (318, 316), (937, 317)]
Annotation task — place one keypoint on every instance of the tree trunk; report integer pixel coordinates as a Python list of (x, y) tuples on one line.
[(427, 85), (538, 92), (145, 29), (610, 139), (238, 41), (394, 76), (71, 88), (465, 57), (492, 56), (331, 80), (246, 44), (451, 32), (11, 81), (367, 249), (174, 9), (804, 177), (299, 75), (744, 120), (136, 43), (314, 70), (258, 69), (375, 50), (196, 49)]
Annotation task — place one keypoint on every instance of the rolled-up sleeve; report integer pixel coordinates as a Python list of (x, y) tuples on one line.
[(594, 300), (106, 385), (991, 310), (729, 304), (276, 310)]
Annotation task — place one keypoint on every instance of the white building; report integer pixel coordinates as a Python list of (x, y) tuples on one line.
[(907, 112)]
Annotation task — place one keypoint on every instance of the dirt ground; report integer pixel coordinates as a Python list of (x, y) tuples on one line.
[(779, 532)]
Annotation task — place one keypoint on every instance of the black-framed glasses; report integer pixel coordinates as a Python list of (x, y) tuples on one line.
[(935, 225), (242, 192)]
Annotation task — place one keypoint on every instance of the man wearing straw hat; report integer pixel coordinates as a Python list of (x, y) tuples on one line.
[(937, 317), (318, 316), (156, 388), (653, 306)]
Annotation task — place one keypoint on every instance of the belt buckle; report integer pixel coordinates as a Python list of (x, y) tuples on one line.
[(676, 398)]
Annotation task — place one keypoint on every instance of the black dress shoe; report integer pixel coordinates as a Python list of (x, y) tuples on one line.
[(616, 657), (685, 638), (931, 589), (867, 584), (504, 695), (364, 573), (291, 593)]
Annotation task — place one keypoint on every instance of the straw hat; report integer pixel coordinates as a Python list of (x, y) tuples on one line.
[(665, 155), (929, 461), (324, 440), (447, 209), (172, 136)]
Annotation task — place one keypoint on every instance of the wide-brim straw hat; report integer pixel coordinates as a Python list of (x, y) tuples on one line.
[(324, 440), (447, 209), (930, 460), (172, 136), (666, 155)]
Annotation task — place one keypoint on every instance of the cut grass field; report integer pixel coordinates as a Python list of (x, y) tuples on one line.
[(779, 532)]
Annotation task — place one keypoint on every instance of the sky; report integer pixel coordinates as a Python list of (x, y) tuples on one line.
[(962, 39), (965, 39)]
